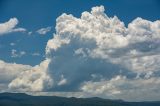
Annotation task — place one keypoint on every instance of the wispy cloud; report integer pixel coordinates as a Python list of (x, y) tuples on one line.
[(29, 33), (15, 54), (36, 54), (12, 44), (44, 31)]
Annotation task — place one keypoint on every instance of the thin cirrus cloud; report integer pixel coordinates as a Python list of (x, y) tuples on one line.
[(98, 56), (10, 26)]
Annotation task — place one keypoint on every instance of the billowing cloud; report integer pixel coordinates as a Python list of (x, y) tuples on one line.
[(97, 55), (10, 71), (44, 31), (10, 26), (34, 79)]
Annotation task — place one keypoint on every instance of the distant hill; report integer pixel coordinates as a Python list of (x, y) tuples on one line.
[(20, 99)]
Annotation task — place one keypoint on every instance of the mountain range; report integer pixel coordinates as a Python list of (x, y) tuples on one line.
[(22, 99)]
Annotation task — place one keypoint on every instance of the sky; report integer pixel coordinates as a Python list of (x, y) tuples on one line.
[(37, 14), (104, 48)]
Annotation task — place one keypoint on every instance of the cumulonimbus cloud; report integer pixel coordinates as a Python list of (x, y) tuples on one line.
[(97, 54)]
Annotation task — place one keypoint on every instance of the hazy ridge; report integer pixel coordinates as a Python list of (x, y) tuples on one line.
[(21, 99)]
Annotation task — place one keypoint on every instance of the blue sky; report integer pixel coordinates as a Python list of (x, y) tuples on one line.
[(36, 14)]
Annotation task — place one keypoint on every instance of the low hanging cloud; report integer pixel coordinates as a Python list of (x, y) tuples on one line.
[(10, 71), (137, 89), (10, 26), (35, 79), (99, 56)]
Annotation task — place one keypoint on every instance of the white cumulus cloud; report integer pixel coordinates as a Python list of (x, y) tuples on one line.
[(10, 26), (9, 71), (34, 79)]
